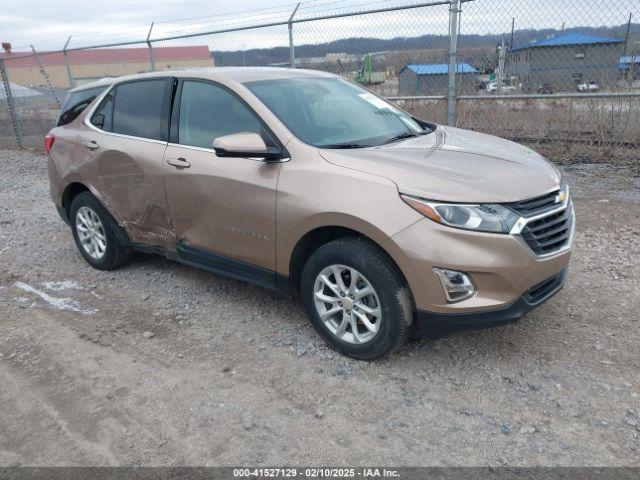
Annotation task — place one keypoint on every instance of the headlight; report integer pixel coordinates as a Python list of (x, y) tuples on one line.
[(564, 190), (485, 217)]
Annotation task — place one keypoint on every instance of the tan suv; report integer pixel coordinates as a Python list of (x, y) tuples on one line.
[(305, 183)]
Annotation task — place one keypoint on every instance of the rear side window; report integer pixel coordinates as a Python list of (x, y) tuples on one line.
[(138, 109), (103, 116), (76, 103)]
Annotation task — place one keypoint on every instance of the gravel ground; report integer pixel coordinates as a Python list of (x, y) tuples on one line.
[(160, 364)]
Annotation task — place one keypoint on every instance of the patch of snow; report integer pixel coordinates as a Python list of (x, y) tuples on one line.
[(59, 286), (57, 302)]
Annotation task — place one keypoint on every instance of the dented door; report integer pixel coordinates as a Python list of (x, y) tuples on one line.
[(124, 142), (220, 207), (225, 206), (129, 177)]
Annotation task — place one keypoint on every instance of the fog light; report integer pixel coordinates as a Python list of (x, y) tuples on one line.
[(457, 286)]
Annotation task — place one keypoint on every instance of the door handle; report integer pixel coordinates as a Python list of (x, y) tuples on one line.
[(92, 145), (179, 162)]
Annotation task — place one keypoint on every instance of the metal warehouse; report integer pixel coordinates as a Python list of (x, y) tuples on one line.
[(431, 79), (565, 61), (630, 66)]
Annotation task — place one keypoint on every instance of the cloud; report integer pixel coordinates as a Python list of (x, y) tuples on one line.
[(47, 24)]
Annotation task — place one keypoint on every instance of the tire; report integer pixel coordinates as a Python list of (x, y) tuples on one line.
[(116, 251), (391, 298)]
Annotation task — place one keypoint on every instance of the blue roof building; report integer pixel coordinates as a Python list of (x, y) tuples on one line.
[(629, 66), (565, 61), (432, 78), (569, 40), (438, 68), (628, 60)]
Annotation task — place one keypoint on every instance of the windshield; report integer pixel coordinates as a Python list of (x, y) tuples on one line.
[(333, 113)]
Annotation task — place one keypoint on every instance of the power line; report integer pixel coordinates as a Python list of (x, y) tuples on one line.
[(233, 13)]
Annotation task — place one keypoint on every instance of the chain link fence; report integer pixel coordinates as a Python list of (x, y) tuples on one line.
[(529, 70)]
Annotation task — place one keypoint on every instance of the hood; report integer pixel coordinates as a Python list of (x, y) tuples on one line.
[(455, 165)]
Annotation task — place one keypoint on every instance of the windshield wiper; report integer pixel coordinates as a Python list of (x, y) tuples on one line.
[(404, 135), (344, 145)]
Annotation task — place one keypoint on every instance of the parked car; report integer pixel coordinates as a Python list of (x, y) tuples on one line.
[(588, 87), (506, 87), (545, 89), (302, 182)]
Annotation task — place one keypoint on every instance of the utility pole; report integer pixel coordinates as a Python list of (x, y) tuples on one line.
[(626, 37), (292, 56), (454, 22), (513, 27), (501, 61)]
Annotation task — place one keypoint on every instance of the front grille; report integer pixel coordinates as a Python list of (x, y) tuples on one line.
[(543, 289), (535, 206), (549, 234)]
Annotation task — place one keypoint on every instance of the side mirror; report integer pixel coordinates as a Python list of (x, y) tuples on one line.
[(245, 145)]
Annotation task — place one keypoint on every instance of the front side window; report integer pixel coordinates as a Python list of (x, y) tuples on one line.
[(333, 113), (208, 111), (138, 107), (76, 103)]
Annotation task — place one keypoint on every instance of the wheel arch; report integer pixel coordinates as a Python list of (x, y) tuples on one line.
[(70, 192), (323, 234)]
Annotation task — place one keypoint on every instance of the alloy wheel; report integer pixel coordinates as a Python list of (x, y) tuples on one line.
[(91, 233), (347, 304)]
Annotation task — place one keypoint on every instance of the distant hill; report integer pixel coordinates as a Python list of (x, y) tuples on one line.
[(472, 45)]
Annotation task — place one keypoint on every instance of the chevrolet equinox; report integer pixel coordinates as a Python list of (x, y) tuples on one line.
[(381, 223)]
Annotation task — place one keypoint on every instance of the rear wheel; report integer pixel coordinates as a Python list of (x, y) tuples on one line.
[(101, 241), (356, 298)]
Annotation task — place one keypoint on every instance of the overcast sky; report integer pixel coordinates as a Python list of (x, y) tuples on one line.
[(47, 23)]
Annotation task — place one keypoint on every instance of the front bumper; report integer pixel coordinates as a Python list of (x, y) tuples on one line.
[(432, 325), (502, 267)]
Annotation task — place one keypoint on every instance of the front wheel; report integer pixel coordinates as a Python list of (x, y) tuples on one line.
[(356, 298)]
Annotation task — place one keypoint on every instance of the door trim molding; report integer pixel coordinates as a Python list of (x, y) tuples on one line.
[(231, 267)]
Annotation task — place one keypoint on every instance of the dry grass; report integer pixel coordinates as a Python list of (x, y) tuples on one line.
[(568, 130)]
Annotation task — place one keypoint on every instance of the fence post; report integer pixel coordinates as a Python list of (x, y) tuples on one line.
[(152, 60), (454, 21), (15, 121), (292, 56), (72, 82), (46, 76)]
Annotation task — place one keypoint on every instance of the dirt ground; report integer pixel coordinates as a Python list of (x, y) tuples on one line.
[(160, 364)]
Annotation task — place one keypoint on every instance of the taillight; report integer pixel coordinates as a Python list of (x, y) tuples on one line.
[(48, 142)]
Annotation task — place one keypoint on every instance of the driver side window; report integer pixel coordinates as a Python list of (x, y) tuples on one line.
[(209, 111)]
